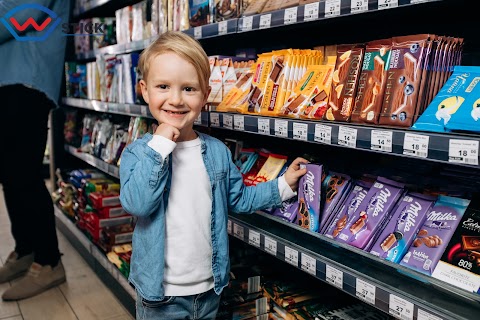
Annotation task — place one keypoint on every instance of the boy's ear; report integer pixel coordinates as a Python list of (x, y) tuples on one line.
[(143, 86)]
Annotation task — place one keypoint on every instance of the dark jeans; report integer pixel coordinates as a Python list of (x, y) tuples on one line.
[(23, 137)]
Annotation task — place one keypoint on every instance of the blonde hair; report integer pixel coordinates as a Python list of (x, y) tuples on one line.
[(182, 45)]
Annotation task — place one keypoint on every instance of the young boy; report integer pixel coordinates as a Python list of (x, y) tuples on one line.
[(181, 184)]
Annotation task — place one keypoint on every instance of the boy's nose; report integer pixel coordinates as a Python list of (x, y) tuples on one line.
[(175, 98)]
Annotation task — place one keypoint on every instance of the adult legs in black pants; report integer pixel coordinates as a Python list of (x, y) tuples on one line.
[(23, 136)]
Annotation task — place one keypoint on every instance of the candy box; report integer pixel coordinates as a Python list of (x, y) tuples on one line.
[(309, 197), (433, 237), (288, 211), (467, 118), (401, 230), (104, 199), (334, 189)]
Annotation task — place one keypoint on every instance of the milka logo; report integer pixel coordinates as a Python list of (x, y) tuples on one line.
[(471, 225), (448, 216), (381, 199), (420, 254), (459, 80), (356, 201), (308, 188), (411, 215)]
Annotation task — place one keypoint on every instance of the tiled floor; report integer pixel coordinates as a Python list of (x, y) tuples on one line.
[(82, 297)]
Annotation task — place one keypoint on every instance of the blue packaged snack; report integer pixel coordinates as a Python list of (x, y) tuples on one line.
[(467, 118), (448, 101)]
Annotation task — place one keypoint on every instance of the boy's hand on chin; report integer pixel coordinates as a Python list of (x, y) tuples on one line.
[(294, 173), (168, 131)]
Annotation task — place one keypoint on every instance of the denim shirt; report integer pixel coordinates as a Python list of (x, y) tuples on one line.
[(145, 183)]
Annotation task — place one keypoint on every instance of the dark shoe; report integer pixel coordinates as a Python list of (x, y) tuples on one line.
[(14, 267), (38, 279)]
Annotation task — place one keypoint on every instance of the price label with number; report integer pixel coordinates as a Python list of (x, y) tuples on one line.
[(265, 21), (381, 140), (334, 276), (264, 126), (400, 308), (309, 264), (290, 15), (386, 4), (463, 151), (323, 133), (214, 119), (239, 122), (281, 128), (418, 1), (424, 315), (227, 121), (291, 256), (357, 6), (311, 11), (347, 137), (270, 245), (229, 226), (247, 23), (222, 27), (365, 291), (238, 231), (254, 238), (300, 131), (197, 32), (416, 145), (199, 119), (332, 8)]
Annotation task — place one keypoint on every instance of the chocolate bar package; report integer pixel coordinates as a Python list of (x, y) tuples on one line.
[(449, 100), (407, 58), (399, 233), (309, 197), (344, 215), (368, 217), (433, 237), (460, 263), (335, 188), (288, 211), (372, 82), (345, 82)]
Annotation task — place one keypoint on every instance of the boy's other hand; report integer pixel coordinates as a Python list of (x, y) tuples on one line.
[(294, 173), (168, 131)]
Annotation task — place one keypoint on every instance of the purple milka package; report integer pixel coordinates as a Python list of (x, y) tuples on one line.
[(344, 214), (334, 190), (378, 204), (403, 226), (288, 211), (309, 189), (435, 234)]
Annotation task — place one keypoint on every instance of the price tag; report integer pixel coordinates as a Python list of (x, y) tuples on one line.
[(222, 27), (291, 256), (264, 126), (332, 8), (238, 231), (270, 245), (386, 4), (463, 151), (400, 308), (424, 315), (309, 264), (381, 140), (199, 119), (323, 134), (265, 21), (290, 15), (214, 119), (197, 32), (334, 276), (281, 128), (347, 137), (365, 291), (357, 6), (300, 131), (415, 145), (417, 1), (247, 23), (311, 11), (228, 121), (254, 238), (127, 108), (229, 227), (239, 122)]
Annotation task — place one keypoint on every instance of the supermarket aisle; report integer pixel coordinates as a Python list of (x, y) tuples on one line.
[(82, 297)]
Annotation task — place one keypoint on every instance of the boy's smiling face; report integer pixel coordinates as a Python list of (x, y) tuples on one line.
[(173, 92)]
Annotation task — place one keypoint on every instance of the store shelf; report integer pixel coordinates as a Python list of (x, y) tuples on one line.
[(95, 162), (97, 260), (213, 29), (396, 141), (387, 286)]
